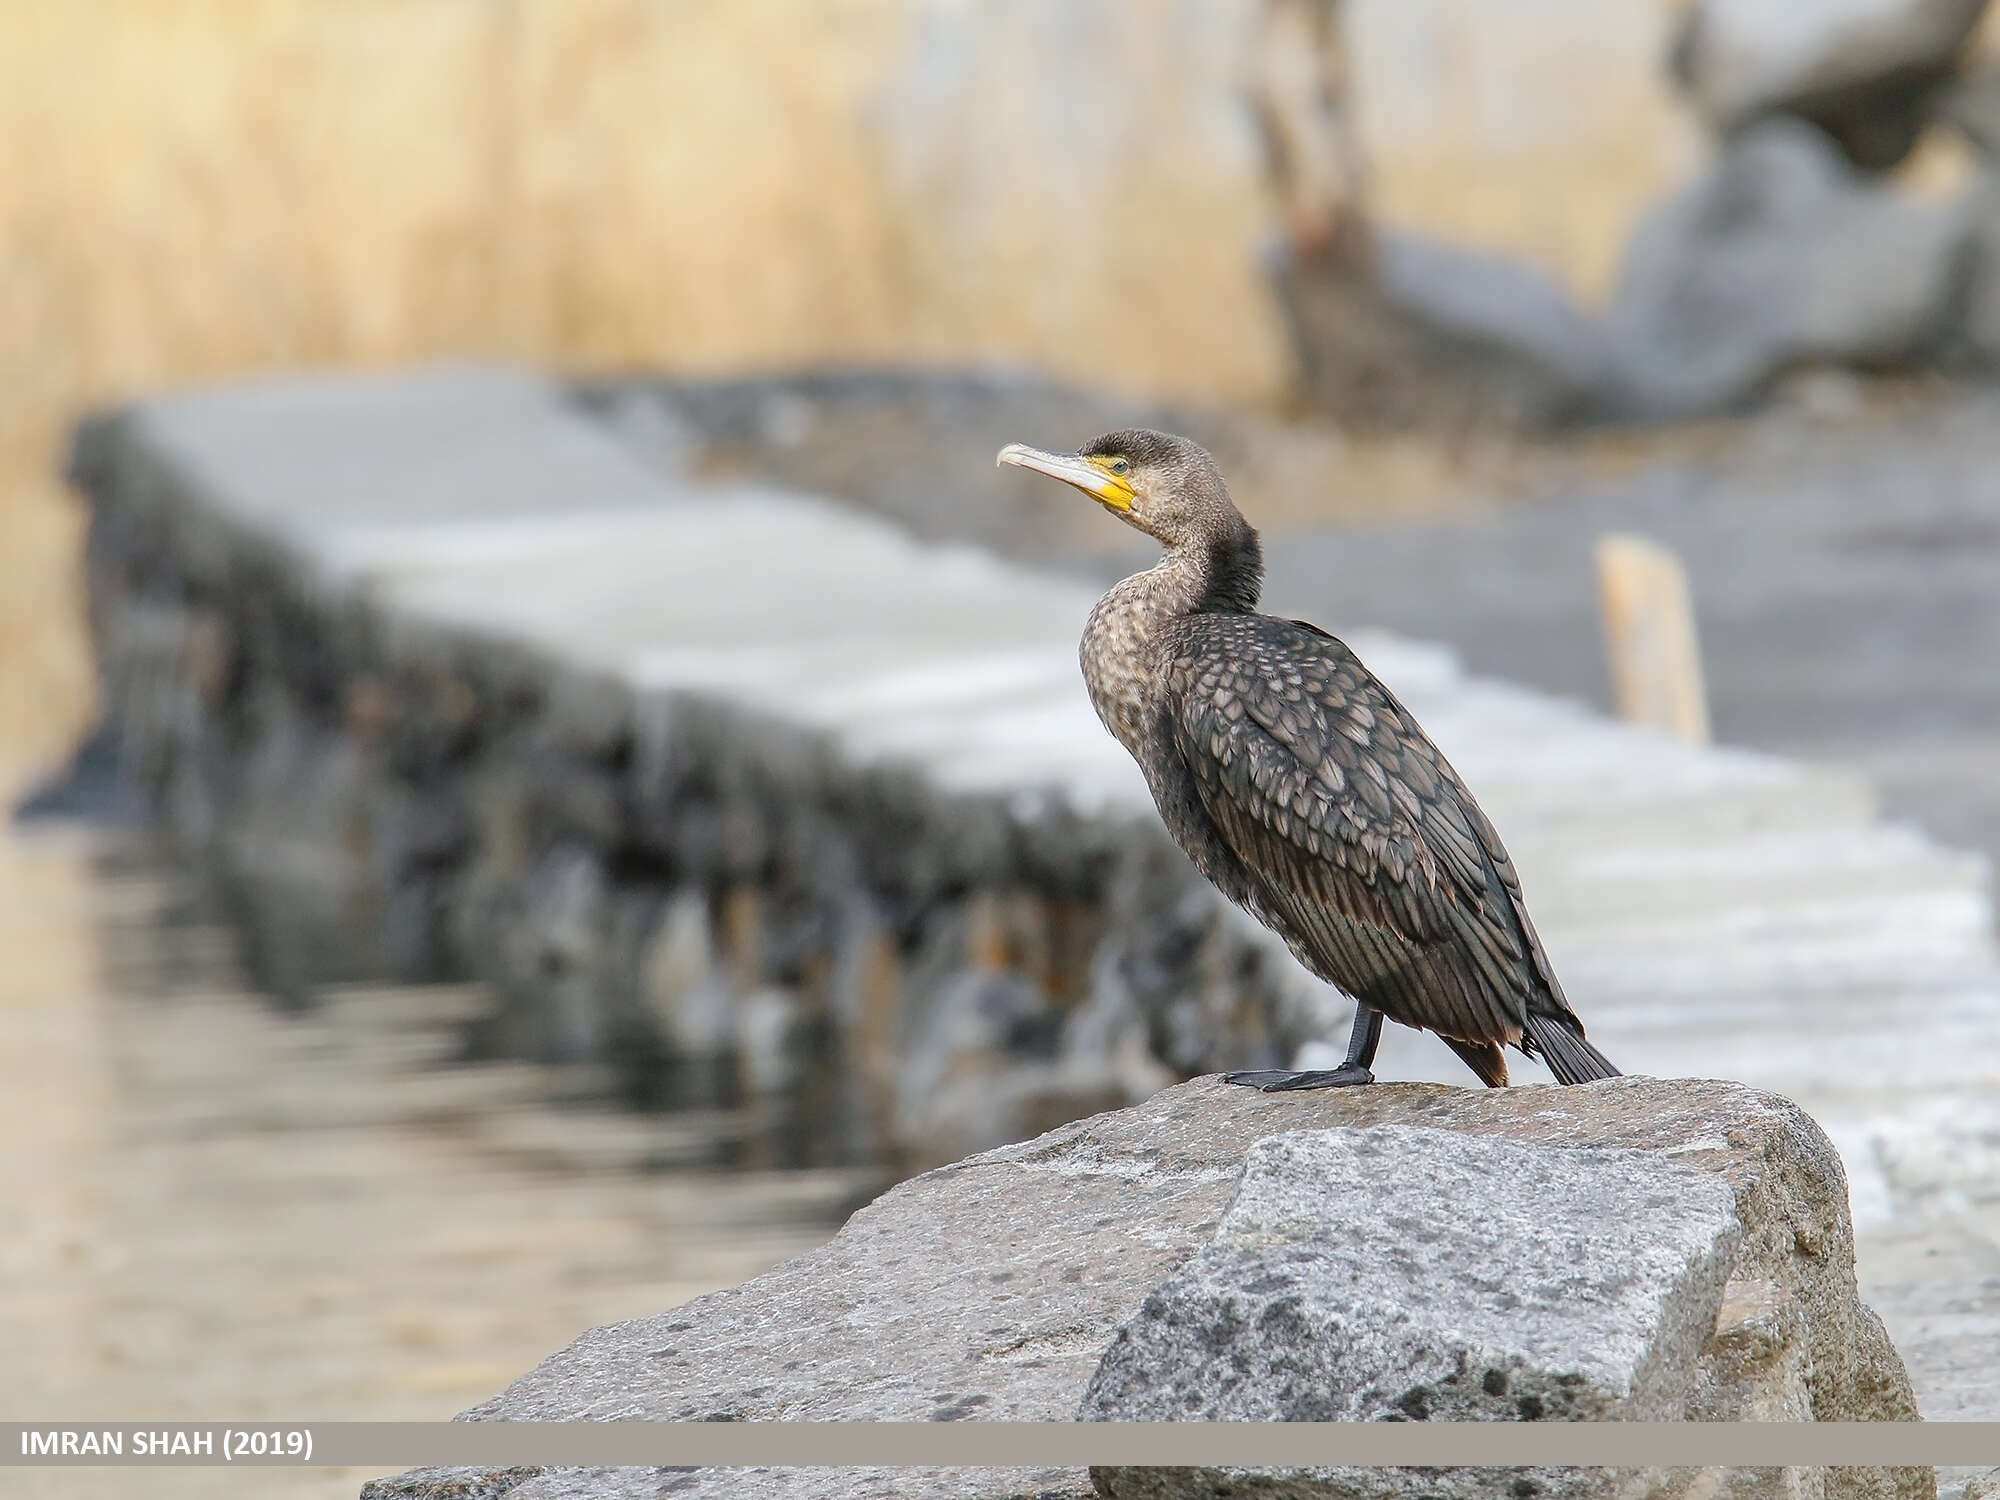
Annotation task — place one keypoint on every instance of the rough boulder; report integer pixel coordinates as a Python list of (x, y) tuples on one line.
[(1636, 1247)]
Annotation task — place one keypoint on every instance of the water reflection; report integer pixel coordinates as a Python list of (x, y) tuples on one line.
[(216, 1209)]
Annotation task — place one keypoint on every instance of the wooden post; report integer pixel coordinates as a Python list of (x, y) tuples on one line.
[(1649, 637)]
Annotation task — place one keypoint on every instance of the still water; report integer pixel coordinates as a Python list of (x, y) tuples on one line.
[(213, 1209)]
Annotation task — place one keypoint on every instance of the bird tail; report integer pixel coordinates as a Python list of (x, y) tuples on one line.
[(1484, 1058), (1561, 1043)]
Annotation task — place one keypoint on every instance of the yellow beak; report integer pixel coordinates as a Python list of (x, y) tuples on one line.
[(1106, 488)]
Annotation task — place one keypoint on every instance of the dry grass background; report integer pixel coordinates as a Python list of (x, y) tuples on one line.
[(191, 189)]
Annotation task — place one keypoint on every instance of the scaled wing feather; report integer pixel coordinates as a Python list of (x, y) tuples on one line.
[(1364, 849)]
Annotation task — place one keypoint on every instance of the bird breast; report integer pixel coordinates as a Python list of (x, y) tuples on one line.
[(1117, 654)]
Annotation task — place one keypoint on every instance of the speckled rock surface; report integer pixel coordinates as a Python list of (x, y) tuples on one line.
[(991, 1289), (1478, 1484), (1348, 1282), (762, 1483)]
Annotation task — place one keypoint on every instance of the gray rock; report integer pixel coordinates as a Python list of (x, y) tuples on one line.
[(1470, 1484), (962, 1085), (1516, 324), (993, 1288), (554, 950), (1348, 1283), (1968, 1483), (1863, 70), (1779, 256), (456, 1483), (860, 1483), (681, 981), (1440, 333), (1977, 338), (1972, 106)]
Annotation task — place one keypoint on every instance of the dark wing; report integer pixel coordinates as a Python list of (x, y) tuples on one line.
[(1363, 848)]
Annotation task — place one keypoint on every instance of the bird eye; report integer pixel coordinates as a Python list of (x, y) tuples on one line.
[(1119, 466)]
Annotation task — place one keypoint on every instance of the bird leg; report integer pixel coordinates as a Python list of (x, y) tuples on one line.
[(1353, 1070)]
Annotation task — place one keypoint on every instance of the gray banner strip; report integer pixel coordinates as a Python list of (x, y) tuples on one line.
[(998, 1444)]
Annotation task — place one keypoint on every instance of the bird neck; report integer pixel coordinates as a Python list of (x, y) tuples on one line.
[(1225, 569), (1213, 574), (1219, 575)]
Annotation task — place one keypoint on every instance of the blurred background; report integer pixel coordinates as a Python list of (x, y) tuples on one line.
[(1455, 288)]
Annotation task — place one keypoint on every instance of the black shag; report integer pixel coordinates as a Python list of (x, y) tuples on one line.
[(1301, 787)]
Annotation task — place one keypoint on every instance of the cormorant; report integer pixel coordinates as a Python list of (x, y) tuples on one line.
[(1301, 787)]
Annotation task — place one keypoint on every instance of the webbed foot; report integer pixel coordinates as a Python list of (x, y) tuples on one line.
[(1278, 1080)]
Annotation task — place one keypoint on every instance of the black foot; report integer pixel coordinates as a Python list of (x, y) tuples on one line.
[(1277, 1080)]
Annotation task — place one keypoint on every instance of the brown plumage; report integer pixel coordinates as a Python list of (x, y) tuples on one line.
[(1302, 788)]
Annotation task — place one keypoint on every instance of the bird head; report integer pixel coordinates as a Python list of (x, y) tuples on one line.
[(1166, 486)]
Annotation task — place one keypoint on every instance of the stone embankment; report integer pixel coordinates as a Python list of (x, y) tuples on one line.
[(1634, 1249), (769, 806)]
